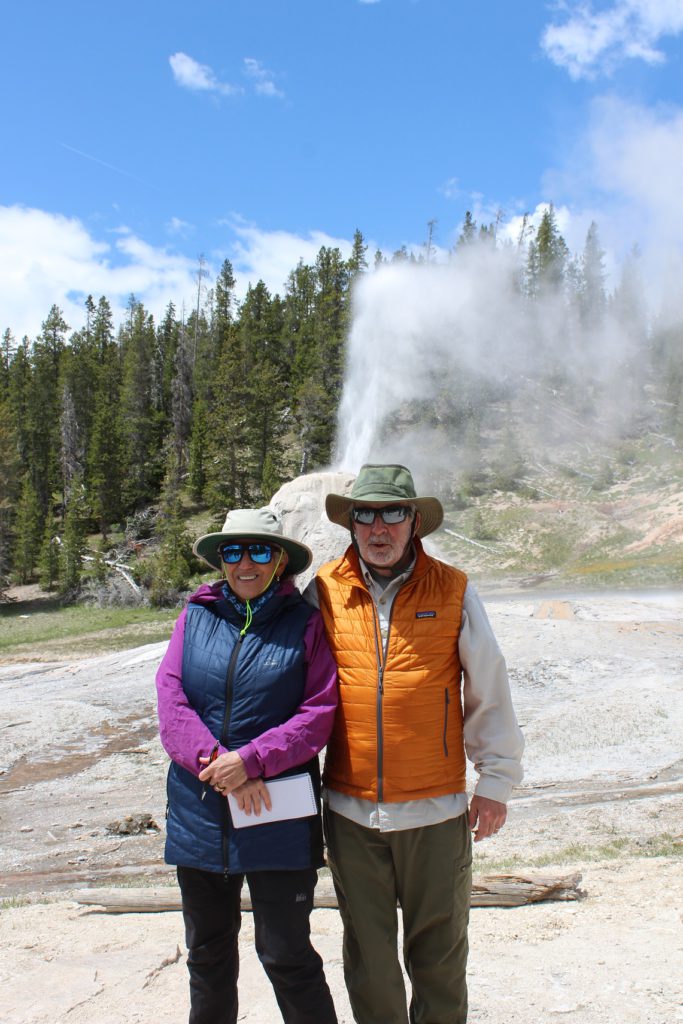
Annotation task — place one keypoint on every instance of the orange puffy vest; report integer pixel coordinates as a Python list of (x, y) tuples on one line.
[(398, 729)]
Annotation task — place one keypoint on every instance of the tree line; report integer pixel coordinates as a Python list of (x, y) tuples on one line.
[(218, 407)]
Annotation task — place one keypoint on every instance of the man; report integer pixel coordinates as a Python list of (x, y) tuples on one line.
[(421, 680)]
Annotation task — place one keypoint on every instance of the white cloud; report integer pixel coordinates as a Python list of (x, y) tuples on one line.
[(47, 259), (451, 189), (591, 42), (270, 256), (176, 226), (263, 79), (190, 74)]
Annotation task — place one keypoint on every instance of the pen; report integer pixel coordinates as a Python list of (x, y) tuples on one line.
[(212, 757)]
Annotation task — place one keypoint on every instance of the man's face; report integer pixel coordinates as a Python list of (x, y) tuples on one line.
[(382, 545)]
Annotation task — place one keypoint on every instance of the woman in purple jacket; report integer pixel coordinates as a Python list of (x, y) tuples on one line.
[(247, 692)]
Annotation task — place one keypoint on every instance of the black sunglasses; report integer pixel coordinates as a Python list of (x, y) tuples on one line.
[(390, 514), (259, 553)]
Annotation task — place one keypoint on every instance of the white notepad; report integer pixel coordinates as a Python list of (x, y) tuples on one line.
[(292, 797)]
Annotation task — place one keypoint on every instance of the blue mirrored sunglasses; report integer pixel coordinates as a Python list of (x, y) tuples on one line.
[(390, 514), (259, 553)]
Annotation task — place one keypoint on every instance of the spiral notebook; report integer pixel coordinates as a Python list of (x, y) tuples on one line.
[(292, 797)]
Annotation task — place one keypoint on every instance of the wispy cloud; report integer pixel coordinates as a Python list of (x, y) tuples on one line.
[(190, 74), (176, 226), (263, 79), (590, 42), (451, 189), (102, 163)]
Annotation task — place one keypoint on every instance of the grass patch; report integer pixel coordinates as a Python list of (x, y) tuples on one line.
[(16, 902), (119, 628), (664, 845)]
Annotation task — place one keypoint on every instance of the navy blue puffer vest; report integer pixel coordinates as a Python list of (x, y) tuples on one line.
[(240, 687)]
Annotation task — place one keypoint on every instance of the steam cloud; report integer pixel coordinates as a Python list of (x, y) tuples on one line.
[(416, 328), (419, 329)]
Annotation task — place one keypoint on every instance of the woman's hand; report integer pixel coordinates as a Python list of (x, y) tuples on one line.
[(224, 774), (250, 795)]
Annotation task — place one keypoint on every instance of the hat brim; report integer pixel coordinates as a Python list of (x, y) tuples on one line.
[(299, 556), (338, 508)]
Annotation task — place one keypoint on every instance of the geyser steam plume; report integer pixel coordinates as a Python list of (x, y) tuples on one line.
[(420, 331)]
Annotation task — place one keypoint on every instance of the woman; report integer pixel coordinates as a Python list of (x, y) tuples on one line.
[(247, 692)]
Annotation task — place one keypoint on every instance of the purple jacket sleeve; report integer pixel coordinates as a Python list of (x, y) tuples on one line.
[(185, 738), (305, 734)]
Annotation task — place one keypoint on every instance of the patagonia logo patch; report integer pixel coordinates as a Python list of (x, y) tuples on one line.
[(425, 615)]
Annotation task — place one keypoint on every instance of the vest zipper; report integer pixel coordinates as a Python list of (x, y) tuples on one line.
[(447, 700), (381, 662), (225, 738)]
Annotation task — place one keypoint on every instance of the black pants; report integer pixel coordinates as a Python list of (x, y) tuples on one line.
[(282, 902)]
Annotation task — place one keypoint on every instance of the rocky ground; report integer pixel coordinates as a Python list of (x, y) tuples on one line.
[(598, 686)]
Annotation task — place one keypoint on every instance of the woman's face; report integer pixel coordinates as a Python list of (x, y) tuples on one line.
[(248, 579)]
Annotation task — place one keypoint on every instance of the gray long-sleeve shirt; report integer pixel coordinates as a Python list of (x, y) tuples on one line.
[(493, 739)]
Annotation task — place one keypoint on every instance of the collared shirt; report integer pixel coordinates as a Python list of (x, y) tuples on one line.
[(493, 739)]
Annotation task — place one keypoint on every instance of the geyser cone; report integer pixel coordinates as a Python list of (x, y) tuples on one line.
[(301, 505)]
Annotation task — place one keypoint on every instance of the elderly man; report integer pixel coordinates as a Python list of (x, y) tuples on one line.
[(422, 680)]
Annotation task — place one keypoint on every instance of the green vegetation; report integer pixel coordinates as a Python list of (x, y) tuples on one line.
[(83, 627), (664, 845)]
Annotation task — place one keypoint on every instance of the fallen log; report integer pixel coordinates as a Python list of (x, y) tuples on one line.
[(487, 891), (517, 890)]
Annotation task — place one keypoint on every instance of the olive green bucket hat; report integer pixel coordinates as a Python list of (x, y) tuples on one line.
[(384, 485), (253, 524)]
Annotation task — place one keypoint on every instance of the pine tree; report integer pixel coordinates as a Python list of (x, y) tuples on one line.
[(72, 454), (181, 408), (7, 348), (49, 554), (592, 298), (468, 235), (27, 532), (173, 560), (167, 341), (9, 489), (198, 451), (357, 262), (260, 329), (105, 456), (547, 257), (224, 305), (73, 541), (139, 423), (43, 408)]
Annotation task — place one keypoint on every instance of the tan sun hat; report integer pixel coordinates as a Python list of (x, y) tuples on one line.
[(384, 485), (253, 524)]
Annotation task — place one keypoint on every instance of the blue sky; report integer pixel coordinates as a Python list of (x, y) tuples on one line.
[(138, 135)]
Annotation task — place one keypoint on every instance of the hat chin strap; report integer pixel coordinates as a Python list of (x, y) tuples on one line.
[(249, 616)]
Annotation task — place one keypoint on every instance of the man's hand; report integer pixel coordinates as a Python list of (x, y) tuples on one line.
[(224, 774), (486, 817), (250, 795)]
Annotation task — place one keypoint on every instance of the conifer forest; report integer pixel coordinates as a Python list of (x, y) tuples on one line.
[(110, 434)]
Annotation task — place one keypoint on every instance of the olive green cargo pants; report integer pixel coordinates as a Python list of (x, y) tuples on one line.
[(428, 871)]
